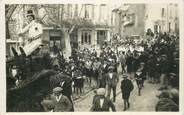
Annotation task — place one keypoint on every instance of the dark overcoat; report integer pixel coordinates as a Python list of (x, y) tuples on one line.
[(126, 88)]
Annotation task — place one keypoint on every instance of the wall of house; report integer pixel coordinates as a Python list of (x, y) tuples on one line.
[(138, 25), (163, 15)]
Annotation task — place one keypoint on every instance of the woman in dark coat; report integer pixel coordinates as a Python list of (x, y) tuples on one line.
[(126, 88), (165, 103)]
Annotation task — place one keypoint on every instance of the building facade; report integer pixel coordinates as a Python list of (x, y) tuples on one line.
[(95, 25), (131, 19), (135, 19), (162, 18), (91, 24)]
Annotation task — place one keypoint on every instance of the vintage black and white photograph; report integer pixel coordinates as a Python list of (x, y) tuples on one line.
[(92, 57)]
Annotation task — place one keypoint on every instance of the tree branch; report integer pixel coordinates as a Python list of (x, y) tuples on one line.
[(10, 11), (73, 27)]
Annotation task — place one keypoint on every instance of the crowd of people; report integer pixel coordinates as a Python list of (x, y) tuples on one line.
[(158, 63), (154, 58)]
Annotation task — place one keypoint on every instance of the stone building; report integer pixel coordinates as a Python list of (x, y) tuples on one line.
[(135, 19), (131, 19), (94, 25), (162, 17)]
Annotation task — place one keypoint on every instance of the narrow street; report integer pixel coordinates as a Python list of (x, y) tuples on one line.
[(137, 103), (140, 103), (57, 54)]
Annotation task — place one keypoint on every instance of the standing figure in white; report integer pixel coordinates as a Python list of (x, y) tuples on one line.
[(34, 41)]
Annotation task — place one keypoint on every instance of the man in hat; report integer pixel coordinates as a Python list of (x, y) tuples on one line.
[(95, 67), (105, 65), (173, 89), (61, 102), (122, 60), (34, 30), (111, 81), (88, 70), (78, 82), (126, 88), (164, 79), (165, 103), (66, 84), (173, 80), (140, 77), (129, 63), (101, 103)]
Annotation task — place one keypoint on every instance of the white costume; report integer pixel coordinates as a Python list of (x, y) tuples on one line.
[(35, 31)]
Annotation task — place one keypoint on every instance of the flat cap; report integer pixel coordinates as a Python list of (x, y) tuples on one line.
[(101, 91), (57, 90), (164, 94), (164, 55), (125, 75), (110, 68)]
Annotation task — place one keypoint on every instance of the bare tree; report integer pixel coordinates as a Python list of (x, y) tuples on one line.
[(9, 10), (55, 14), (66, 26)]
